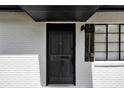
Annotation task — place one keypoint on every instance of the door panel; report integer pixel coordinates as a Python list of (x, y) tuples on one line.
[(60, 53)]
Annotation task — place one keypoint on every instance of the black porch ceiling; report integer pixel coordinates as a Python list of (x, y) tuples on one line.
[(63, 13), (60, 13)]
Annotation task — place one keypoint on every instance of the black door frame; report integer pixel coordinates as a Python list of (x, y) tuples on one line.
[(47, 44)]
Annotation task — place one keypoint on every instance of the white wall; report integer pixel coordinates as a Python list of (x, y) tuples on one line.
[(108, 74), (104, 73), (19, 34), (83, 69), (107, 17), (19, 71)]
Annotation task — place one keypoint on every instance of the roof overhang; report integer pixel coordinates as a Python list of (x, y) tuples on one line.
[(60, 13), (76, 13)]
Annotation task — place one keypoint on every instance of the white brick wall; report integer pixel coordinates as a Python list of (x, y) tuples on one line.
[(19, 71), (106, 74), (20, 34)]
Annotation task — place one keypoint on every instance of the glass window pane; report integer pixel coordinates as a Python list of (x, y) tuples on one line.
[(113, 37), (113, 28), (122, 37), (100, 37), (100, 56), (122, 46), (122, 55), (122, 28), (113, 56), (113, 46), (100, 28), (100, 46)]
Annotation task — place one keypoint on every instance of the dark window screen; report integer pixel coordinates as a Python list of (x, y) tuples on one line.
[(61, 53)]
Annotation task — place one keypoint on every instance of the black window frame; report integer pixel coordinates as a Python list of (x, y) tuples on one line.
[(107, 42)]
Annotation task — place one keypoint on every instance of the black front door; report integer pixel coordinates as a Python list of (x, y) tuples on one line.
[(60, 53)]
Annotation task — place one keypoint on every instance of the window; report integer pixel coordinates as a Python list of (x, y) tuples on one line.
[(109, 42)]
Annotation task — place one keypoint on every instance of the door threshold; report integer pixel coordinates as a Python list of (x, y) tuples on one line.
[(61, 85)]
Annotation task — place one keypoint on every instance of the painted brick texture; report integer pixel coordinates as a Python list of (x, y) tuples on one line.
[(19, 71), (108, 76)]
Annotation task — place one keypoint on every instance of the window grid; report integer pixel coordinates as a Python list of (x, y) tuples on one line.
[(111, 55), (119, 42), (106, 42)]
